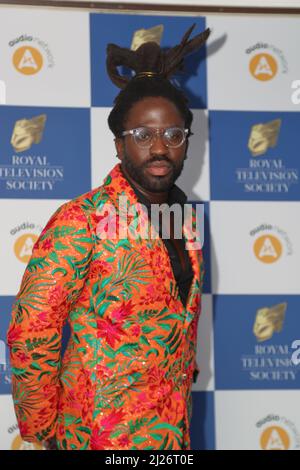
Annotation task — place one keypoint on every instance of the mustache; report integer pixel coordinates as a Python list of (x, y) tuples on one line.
[(159, 159)]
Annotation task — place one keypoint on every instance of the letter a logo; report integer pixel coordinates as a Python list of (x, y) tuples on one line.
[(263, 67), (267, 248), (275, 438), (27, 60), (24, 245)]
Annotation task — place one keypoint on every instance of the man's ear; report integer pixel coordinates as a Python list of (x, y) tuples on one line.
[(119, 144), (186, 147)]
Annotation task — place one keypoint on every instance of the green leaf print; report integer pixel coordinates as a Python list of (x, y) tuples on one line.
[(139, 439), (135, 426), (37, 263), (167, 426), (22, 374), (58, 232), (60, 246), (157, 437)]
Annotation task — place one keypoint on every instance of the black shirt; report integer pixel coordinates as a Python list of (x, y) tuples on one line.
[(180, 260)]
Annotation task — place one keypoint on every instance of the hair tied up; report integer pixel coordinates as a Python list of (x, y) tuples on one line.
[(149, 60)]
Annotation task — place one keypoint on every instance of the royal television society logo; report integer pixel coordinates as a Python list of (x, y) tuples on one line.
[(141, 36), (278, 433), (29, 171), (266, 61), (267, 361), (263, 136), (30, 54), (24, 237), (264, 174), (268, 321), (270, 244), (28, 132)]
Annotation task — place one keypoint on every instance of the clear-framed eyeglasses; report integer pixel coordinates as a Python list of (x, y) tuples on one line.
[(173, 137)]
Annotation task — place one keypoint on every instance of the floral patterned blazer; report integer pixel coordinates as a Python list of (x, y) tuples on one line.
[(125, 379)]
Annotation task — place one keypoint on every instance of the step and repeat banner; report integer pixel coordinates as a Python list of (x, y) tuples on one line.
[(243, 164)]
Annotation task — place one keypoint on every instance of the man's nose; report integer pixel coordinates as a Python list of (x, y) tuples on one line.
[(158, 145)]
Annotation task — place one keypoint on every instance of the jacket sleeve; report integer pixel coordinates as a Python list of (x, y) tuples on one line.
[(53, 280), (196, 319)]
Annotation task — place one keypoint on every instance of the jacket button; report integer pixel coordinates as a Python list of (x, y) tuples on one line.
[(184, 376)]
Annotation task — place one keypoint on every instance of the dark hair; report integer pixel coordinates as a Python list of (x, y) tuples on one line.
[(153, 69), (144, 87)]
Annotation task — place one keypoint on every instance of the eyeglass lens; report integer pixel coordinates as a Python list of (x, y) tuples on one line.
[(172, 137)]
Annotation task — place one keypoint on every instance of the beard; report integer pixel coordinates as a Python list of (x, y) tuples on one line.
[(153, 183)]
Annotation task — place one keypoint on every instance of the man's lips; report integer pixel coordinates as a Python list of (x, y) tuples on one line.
[(159, 168)]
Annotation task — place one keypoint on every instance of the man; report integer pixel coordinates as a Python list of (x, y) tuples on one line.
[(132, 302)]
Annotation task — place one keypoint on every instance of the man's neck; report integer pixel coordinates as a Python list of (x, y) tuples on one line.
[(153, 198)]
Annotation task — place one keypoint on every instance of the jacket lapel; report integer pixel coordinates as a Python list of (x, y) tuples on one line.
[(120, 192)]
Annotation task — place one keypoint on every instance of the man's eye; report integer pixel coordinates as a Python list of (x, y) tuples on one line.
[(174, 135), (143, 134)]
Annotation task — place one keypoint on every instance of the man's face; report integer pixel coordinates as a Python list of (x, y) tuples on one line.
[(155, 168)]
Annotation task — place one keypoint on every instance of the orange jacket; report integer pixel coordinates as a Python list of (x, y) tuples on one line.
[(125, 379)]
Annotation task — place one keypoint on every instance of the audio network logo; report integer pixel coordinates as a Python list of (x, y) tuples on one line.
[(23, 246), (28, 60), (30, 54), (263, 66), (275, 438), (270, 243), (16, 442), (19, 444), (266, 61), (278, 433), (24, 242), (267, 248)]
